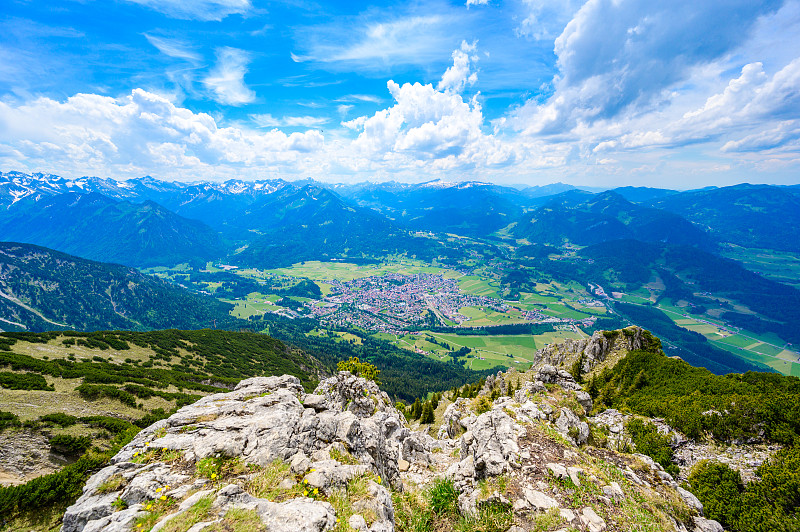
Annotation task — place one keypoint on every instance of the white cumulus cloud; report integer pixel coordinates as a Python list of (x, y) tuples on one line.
[(618, 55), (433, 125), (458, 76), (267, 120), (138, 134)]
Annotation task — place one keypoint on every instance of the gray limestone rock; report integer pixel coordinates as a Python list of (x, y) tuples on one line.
[(291, 516), (462, 474), (315, 401), (260, 421), (575, 475), (585, 400), (690, 499), (706, 525), (452, 426), (592, 521), (492, 443), (568, 422), (539, 500), (595, 349), (557, 470), (357, 522), (331, 474), (613, 491), (87, 509)]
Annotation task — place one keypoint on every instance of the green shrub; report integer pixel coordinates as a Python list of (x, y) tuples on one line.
[(360, 369), (111, 424), (70, 444), (719, 488), (650, 442), (483, 404), (95, 391), (59, 418), (23, 381), (8, 419), (769, 503)]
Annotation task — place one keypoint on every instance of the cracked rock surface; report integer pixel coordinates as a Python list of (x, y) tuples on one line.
[(263, 420)]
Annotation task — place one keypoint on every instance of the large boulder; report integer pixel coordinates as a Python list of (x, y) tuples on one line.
[(572, 427), (456, 419), (262, 420), (491, 443)]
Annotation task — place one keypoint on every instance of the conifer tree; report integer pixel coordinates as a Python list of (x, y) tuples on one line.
[(416, 409), (427, 416)]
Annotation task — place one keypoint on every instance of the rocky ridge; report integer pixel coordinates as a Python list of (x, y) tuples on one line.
[(602, 346), (269, 456)]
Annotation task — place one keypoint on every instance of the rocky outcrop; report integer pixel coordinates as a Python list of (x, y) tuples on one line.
[(291, 461), (596, 349), (347, 430), (26, 454), (512, 445), (457, 418)]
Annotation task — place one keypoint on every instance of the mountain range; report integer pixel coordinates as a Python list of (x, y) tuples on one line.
[(42, 290), (272, 223), (146, 221)]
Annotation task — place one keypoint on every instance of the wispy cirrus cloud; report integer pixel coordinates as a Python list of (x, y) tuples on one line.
[(175, 48), (198, 9), (376, 45), (226, 79), (361, 98)]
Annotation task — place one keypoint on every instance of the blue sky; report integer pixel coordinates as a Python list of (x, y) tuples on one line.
[(604, 92)]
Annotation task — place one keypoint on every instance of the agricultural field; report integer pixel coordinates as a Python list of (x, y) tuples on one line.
[(482, 317), (487, 351), (343, 271), (338, 336), (780, 266), (256, 304), (764, 348), (478, 286)]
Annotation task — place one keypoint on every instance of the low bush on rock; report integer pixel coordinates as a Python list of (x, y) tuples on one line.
[(650, 442), (70, 444), (772, 502)]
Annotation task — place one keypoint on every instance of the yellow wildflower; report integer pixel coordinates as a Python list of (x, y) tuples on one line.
[(163, 497), (158, 490), (305, 492), (305, 481)]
